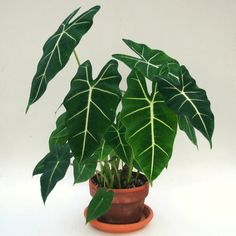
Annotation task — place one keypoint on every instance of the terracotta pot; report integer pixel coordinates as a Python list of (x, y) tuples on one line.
[(127, 205)]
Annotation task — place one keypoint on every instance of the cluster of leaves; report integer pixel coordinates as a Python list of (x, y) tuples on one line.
[(91, 131)]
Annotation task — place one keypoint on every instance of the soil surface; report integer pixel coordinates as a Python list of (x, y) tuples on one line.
[(137, 180)]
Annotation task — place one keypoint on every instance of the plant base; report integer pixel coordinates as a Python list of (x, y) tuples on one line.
[(124, 228)]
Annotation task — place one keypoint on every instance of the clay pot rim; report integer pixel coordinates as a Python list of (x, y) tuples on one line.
[(120, 190)]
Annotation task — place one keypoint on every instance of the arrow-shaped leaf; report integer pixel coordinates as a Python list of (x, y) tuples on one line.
[(57, 50), (55, 169), (176, 85), (60, 135), (182, 95), (100, 204), (149, 62), (91, 107), (150, 125)]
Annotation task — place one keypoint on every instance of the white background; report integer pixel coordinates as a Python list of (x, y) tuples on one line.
[(196, 195)]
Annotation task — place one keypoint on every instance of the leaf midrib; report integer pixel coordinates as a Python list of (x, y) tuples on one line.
[(193, 105), (120, 140), (51, 176), (43, 76), (86, 122)]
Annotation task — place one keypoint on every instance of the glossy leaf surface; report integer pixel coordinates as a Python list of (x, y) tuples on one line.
[(103, 151), (40, 167), (149, 62), (177, 86), (182, 95), (60, 135), (91, 107), (55, 169), (186, 126), (84, 170), (115, 137), (150, 126), (100, 204), (57, 50)]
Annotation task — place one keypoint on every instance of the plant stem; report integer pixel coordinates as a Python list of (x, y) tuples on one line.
[(105, 180), (76, 57), (131, 166), (130, 172), (117, 175), (106, 174), (109, 172), (98, 178)]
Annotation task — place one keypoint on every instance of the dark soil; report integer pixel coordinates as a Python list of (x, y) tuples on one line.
[(137, 180)]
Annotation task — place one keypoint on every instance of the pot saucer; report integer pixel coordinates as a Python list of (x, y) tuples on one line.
[(124, 228)]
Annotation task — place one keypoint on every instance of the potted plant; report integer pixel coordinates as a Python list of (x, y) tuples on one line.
[(119, 150)]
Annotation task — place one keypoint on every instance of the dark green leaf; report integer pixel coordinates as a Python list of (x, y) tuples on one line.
[(40, 167), (150, 126), (182, 95), (60, 135), (91, 107), (84, 170), (103, 151), (150, 61), (176, 85), (55, 169), (187, 127), (99, 204), (57, 50), (115, 137)]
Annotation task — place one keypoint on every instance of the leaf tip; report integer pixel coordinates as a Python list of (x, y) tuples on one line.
[(44, 197), (86, 221), (44, 201), (196, 144), (27, 108), (126, 40), (210, 144), (151, 183), (116, 56), (98, 7)]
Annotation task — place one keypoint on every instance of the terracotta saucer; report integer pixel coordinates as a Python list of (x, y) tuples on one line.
[(124, 228)]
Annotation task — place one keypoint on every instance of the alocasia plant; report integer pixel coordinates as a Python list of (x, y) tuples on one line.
[(99, 137)]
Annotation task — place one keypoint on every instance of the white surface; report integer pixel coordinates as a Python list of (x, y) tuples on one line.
[(196, 195)]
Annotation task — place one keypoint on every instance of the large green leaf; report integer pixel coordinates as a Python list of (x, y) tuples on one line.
[(84, 170), (100, 204), (115, 137), (60, 135), (150, 61), (91, 107), (55, 169), (176, 85), (182, 95), (57, 50), (150, 125), (186, 125)]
